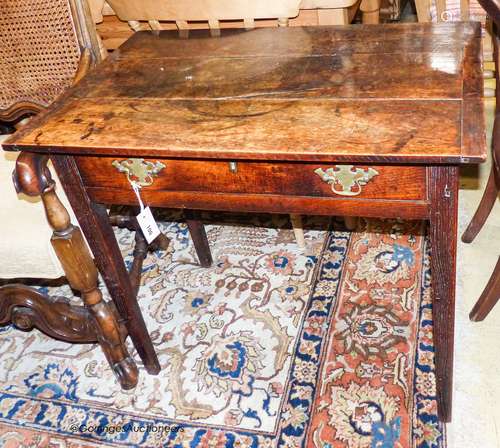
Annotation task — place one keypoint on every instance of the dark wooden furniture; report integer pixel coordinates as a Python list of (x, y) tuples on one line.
[(27, 308), (491, 293), (354, 120), (45, 47)]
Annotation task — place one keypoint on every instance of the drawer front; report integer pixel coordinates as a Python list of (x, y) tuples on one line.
[(287, 179)]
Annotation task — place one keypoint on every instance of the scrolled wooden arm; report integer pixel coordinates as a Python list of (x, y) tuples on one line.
[(31, 175)]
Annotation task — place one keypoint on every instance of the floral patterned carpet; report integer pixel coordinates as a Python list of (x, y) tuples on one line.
[(273, 346)]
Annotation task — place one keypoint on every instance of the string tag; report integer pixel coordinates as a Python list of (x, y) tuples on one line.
[(145, 218)]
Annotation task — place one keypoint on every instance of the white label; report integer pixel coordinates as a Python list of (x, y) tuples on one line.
[(148, 225)]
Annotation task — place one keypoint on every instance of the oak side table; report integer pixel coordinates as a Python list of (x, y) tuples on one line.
[(367, 121)]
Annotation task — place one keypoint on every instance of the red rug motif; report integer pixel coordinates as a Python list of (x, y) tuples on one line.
[(371, 392)]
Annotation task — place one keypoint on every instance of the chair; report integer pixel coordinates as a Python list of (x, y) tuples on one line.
[(45, 47), (338, 12), (460, 10), (330, 12), (491, 293)]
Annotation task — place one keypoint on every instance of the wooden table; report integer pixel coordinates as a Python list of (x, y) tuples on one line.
[(357, 120)]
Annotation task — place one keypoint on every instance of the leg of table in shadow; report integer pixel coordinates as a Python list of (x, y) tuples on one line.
[(93, 219), (199, 237), (443, 192)]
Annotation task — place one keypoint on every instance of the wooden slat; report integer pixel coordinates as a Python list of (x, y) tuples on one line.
[(182, 24), (464, 9), (266, 203), (155, 25), (249, 23), (440, 9), (214, 26), (134, 25)]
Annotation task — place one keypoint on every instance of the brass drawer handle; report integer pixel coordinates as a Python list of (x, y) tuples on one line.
[(139, 171), (351, 179)]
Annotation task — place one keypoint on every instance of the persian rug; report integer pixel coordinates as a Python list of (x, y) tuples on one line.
[(273, 346)]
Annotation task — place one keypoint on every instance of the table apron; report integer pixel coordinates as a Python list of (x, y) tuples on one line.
[(325, 180), (265, 203)]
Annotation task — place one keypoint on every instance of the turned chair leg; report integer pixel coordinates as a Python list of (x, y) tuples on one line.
[(141, 247), (489, 297), (483, 211), (351, 222), (370, 10), (298, 230), (32, 177)]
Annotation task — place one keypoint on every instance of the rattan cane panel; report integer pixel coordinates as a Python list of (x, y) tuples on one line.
[(39, 51)]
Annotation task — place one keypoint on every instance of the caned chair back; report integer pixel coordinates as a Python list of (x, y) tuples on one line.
[(42, 44)]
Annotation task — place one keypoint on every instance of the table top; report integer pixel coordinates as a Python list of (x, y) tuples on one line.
[(401, 93)]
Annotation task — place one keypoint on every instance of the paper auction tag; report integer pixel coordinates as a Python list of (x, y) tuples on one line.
[(148, 225), (145, 218)]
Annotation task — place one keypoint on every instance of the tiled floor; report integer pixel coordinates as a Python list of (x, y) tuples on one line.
[(476, 407)]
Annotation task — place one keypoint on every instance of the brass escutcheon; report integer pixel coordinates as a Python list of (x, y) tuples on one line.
[(350, 178), (138, 170)]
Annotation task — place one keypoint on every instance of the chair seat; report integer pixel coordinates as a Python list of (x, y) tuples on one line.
[(25, 247)]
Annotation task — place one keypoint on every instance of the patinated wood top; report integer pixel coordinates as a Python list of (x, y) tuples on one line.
[(391, 93)]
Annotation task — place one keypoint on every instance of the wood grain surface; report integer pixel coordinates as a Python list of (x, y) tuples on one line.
[(289, 179), (398, 94), (443, 192)]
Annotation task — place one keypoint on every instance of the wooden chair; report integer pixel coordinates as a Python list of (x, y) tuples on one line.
[(491, 293), (45, 47), (329, 12), (460, 10), (341, 12), (114, 32)]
